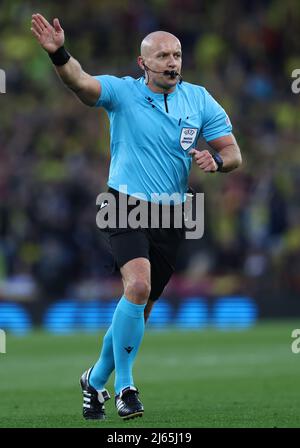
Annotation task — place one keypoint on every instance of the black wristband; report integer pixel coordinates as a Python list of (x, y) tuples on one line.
[(219, 161), (60, 56)]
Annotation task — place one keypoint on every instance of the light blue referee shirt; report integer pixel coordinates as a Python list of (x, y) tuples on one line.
[(151, 134)]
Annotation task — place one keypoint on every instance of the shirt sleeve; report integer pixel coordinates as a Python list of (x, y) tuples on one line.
[(216, 122), (110, 88)]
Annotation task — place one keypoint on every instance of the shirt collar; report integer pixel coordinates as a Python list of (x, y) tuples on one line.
[(150, 92)]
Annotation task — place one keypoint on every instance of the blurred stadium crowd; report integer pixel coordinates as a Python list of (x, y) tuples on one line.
[(55, 152)]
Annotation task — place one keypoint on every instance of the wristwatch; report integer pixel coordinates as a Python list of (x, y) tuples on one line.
[(219, 161)]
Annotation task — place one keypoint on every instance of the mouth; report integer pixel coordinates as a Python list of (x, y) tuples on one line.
[(172, 74)]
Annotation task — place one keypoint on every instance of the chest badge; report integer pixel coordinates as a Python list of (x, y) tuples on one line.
[(187, 137)]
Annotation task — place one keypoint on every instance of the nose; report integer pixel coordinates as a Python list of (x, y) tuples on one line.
[(171, 62)]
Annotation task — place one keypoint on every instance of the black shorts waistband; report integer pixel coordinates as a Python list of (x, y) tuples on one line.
[(118, 195), (159, 213)]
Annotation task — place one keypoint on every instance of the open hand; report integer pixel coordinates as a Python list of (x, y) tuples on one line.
[(50, 37)]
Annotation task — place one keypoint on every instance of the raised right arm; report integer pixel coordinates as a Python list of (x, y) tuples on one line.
[(52, 38)]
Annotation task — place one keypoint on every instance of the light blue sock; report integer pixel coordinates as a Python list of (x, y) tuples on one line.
[(127, 330), (105, 364)]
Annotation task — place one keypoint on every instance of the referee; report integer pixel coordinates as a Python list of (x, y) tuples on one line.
[(155, 122)]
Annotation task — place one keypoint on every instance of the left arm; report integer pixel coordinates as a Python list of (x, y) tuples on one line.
[(226, 147)]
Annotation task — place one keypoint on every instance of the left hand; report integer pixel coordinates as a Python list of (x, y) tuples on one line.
[(204, 160)]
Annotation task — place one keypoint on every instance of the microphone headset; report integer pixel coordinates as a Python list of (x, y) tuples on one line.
[(172, 73)]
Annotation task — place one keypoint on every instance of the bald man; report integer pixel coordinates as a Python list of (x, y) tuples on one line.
[(155, 122)]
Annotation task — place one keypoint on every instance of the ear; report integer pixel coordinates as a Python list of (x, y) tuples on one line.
[(140, 62)]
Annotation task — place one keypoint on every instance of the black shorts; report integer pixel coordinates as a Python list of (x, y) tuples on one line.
[(159, 245)]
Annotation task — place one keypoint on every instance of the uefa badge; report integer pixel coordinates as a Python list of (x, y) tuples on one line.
[(187, 137)]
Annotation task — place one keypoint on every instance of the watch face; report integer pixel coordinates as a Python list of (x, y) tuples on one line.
[(219, 161)]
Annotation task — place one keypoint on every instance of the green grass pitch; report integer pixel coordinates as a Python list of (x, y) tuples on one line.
[(208, 378)]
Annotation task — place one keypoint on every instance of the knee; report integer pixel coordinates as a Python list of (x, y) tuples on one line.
[(138, 290)]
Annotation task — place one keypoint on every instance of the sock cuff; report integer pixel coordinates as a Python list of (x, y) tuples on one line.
[(131, 309)]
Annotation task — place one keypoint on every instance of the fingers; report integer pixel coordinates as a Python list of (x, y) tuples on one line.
[(193, 151), (210, 168), (56, 25), (35, 33), (196, 153), (36, 26), (204, 160), (41, 23)]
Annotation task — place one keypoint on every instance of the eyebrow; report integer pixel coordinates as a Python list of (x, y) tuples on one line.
[(168, 52)]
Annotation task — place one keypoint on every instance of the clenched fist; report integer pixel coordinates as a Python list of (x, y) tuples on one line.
[(204, 160), (50, 37)]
